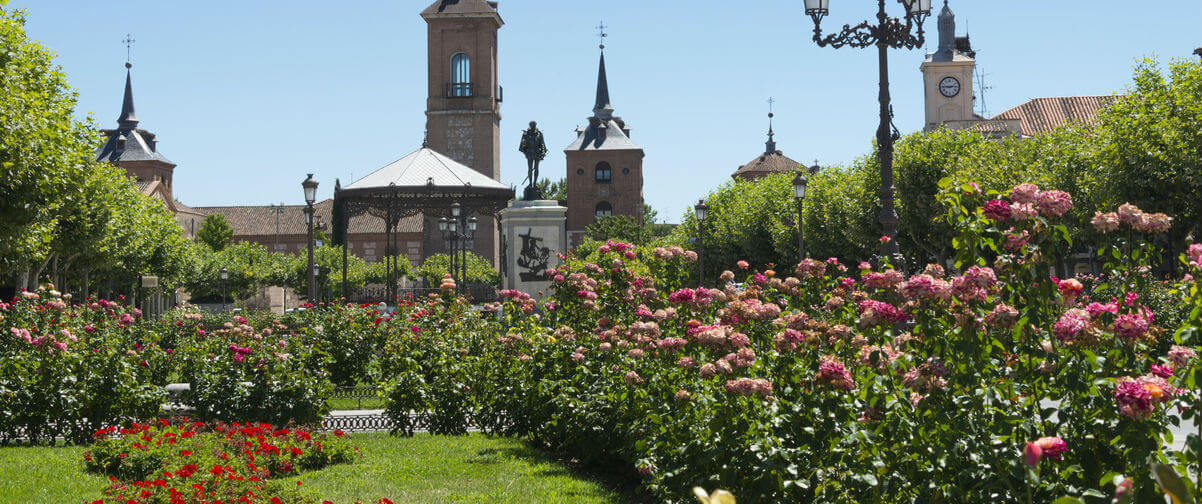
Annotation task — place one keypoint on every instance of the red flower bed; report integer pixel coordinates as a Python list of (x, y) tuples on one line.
[(198, 463)]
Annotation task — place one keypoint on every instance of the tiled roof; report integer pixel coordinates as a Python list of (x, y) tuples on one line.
[(460, 7), (1041, 115), (423, 167), (766, 164), (136, 147), (261, 220), (603, 135)]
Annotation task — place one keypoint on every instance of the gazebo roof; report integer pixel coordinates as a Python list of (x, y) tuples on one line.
[(425, 168)]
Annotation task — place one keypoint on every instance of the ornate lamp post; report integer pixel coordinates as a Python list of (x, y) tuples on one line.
[(799, 194), (699, 211), (310, 187), (225, 275), (887, 32), (456, 229)]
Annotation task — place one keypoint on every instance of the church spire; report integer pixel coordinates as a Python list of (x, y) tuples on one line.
[(602, 109), (947, 34), (128, 119)]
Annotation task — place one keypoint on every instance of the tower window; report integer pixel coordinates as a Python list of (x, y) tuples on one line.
[(604, 173), (461, 76), (603, 209)]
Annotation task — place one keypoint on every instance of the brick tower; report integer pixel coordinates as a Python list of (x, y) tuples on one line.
[(463, 111), (604, 167)]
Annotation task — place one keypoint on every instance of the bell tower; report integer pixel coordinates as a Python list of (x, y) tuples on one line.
[(947, 76), (463, 110)]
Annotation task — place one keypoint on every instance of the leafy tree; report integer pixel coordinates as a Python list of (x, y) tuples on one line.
[(614, 227), (1151, 152), (479, 270), (215, 232), (557, 190)]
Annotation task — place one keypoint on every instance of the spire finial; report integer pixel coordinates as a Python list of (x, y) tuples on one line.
[(770, 145), (129, 42), (601, 34)]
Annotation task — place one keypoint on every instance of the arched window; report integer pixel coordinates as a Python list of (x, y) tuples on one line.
[(461, 76), (604, 173), (603, 209)]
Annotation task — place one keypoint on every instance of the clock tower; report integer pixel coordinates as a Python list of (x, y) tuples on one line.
[(947, 76)]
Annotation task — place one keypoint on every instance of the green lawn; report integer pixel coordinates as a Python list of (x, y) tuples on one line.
[(353, 404), (46, 475), (422, 469)]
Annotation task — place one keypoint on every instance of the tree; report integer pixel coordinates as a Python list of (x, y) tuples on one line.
[(479, 270), (557, 190), (614, 227), (1151, 152), (215, 232)]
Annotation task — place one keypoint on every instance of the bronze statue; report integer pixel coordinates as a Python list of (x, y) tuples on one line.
[(535, 150)]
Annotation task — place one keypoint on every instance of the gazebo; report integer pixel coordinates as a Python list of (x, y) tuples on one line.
[(424, 183)]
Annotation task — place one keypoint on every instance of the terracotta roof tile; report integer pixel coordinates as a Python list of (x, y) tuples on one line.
[(261, 220), (766, 164), (1041, 115)]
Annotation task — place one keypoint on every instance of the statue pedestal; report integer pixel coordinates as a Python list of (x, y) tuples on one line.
[(533, 234)]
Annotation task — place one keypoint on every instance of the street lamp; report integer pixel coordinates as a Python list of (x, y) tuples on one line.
[(277, 210), (456, 230), (799, 194), (310, 187), (225, 275), (887, 32), (699, 211)]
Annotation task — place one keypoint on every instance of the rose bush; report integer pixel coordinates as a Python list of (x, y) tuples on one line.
[(823, 383)]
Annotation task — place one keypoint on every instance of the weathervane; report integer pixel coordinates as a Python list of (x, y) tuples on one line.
[(601, 33), (129, 42), (770, 114)]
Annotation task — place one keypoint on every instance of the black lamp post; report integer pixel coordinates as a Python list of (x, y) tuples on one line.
[(887, 32), (225, 275), (310, 187), (799, 194), (457, 230), (699, 211)]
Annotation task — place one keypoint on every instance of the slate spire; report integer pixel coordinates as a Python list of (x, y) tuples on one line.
[(947, 34), (603, 109), (128, 119)]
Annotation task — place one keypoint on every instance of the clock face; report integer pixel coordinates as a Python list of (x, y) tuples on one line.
[(949, 87)]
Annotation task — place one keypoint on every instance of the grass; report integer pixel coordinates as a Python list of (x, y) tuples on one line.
[(355, 404), (421, 469), (46, 475), (467, 469)]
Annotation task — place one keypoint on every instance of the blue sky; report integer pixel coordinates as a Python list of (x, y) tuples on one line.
[(247, 97)]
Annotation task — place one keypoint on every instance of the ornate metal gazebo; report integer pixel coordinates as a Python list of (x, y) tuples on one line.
[(421, 183)]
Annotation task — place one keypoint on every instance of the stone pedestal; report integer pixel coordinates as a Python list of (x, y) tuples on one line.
[(533, 234)]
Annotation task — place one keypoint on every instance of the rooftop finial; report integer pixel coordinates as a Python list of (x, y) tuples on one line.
[(770, 145), (129, 43), (601, 34)]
